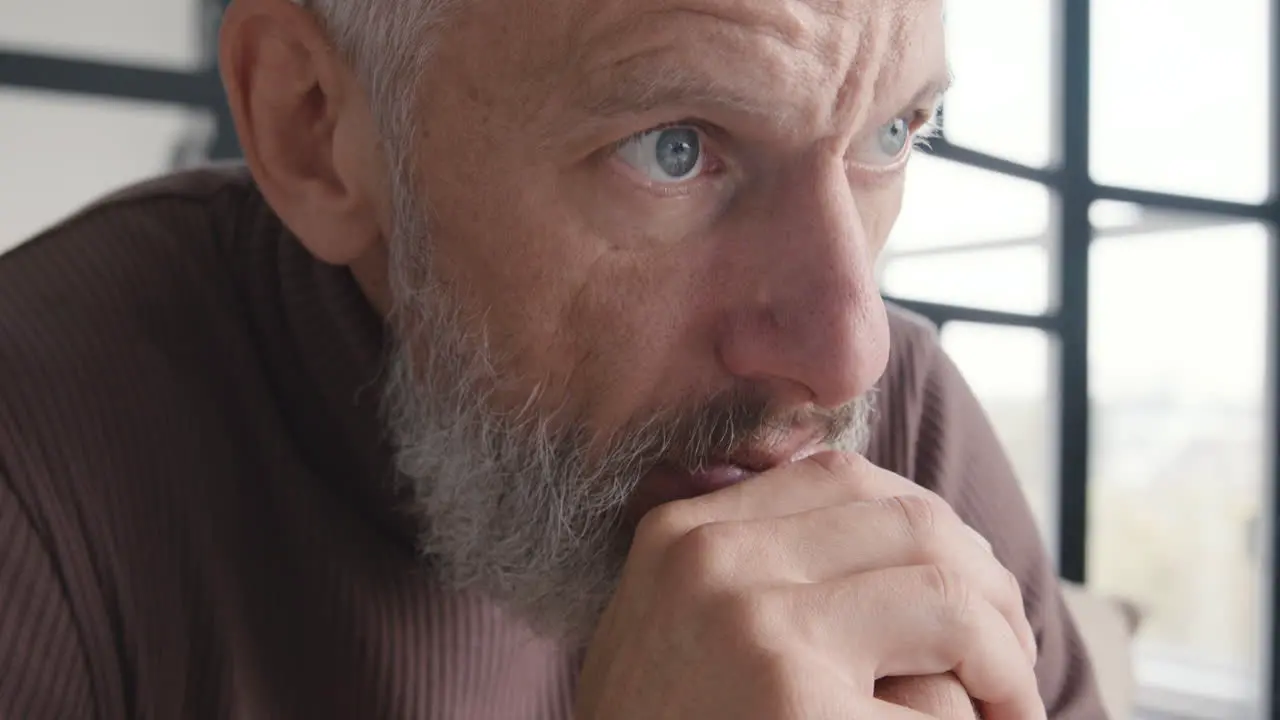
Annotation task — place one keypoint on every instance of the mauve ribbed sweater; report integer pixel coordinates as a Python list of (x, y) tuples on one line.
[(196, 518)]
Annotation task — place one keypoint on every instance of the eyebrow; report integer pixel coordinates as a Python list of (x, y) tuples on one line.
[(932, 90), (643, 85)]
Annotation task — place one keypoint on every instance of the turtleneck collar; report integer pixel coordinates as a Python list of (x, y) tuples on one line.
[(327, 355)]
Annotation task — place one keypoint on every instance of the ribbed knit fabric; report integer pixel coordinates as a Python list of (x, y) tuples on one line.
[(197, 518)]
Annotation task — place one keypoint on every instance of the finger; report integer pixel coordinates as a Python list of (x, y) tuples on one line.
[(821, 480), (980, 539), (936, 696), (829, 543), (817, 481), (920, 621), (828, 695)]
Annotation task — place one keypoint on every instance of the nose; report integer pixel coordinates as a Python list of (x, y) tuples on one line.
[(806, 313)]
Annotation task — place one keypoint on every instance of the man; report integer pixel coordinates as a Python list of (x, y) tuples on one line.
[(537, 370)]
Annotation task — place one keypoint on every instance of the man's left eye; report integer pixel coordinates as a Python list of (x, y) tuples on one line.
[(668, 155), (888, 143)]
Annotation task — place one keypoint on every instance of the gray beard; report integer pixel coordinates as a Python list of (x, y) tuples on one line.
[(527, 506)]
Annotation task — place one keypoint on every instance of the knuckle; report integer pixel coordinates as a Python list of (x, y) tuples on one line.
[(663, 525), (981, 540), (941, 508), (835, 463), (1014, 589), (837, 466), (953, 595), (919, 517), (702, 557)]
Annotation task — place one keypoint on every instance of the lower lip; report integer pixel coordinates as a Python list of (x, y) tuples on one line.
[(716, 477), (666, 484)]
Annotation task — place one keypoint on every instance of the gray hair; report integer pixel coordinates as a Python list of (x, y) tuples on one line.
[(387, 43)]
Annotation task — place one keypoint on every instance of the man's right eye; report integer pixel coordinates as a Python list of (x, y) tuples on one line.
[(665, 155)]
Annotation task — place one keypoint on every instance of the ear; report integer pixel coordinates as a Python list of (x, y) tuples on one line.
[(305, 127)]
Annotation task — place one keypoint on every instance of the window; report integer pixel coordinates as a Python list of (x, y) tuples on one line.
[(1001, 101), (971, 237), (1012, 278), (1010, 370), (1178, 471), (1213, 55), (948, 205), (1175, 355)]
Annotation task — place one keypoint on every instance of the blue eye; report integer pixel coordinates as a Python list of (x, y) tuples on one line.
[(894, 137), (888, 144), (665, 155)]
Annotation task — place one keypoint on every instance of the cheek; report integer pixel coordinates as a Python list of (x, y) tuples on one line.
[(636, 329), (504, 245), (602, 320), (879, 208), (511, 270), (619, 300), (586, 288)]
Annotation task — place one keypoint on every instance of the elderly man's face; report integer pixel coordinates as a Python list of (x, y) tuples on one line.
[(635, 261)]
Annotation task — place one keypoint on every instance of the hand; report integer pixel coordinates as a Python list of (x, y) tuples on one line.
[(791, 594)]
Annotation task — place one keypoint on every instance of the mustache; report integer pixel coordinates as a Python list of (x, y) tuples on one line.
[(735, 422)]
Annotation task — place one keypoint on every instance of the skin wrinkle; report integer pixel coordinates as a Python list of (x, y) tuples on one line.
[(608, 25), (884, 49), (865, 72), (684, 79), (646, 81)]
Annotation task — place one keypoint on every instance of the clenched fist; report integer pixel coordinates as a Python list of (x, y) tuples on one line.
[(792, 594)]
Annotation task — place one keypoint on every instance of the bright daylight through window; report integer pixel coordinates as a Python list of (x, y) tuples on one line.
[(1178, 310)]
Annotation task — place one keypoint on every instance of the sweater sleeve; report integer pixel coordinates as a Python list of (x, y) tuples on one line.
[(958, 456), (44, 672)]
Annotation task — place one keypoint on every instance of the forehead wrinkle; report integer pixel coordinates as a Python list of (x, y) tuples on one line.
[(770, 19), (772, 32), (865, 80), (884, 63), (837, 56)]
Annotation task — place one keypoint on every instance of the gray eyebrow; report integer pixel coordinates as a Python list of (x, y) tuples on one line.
[(932, 90), (642, 85)]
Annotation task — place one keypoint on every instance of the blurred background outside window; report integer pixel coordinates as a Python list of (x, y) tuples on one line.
[(1178, 309)]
